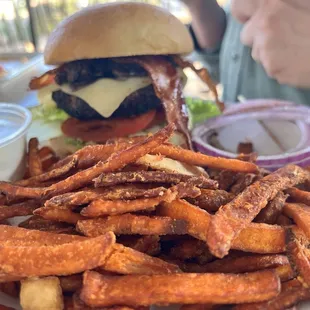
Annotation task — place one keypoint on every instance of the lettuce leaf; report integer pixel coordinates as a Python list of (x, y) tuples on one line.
[(199, 110), (48, 113)]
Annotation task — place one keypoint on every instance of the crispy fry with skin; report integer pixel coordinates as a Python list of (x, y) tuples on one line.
[(46, 152), (202, 160), (238, 214), (149, 245), (272, 211), (34, 161), (47, 176), (245, 264), (112, 179), (48, 163), (58, 214), (256, 238), (298, 254), (108, 207), (125, 260), (101, 290), (115, 193), (71, 283), (63, 259), (18, 209), (299, 195), (242, 182), (132, 224), (283, 220), (211, 200), (292, 293), (114, 162)]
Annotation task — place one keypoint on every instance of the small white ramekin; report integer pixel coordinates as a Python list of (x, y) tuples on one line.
[(14, 124)]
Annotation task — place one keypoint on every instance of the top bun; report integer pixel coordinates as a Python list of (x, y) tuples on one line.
[(116, 30)]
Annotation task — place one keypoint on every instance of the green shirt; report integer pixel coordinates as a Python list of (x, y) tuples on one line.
[(239, 74)]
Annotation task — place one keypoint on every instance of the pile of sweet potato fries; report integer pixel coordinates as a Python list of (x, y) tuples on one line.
[(139, 222)]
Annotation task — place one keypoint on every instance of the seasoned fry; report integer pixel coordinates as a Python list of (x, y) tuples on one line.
[(236, 215), (116, 161), (112, 179), (108, 207), (71, 283), (272, 211), (48, 163), (132, 224), (192, 248), (245, 148), (283, 220), (38, 223), (245, 264), (101, 290), (63, 259), (202, 160), (299, 195), (46, 152), (47, 176), (298, 254), (292, 293), (58, 214), (300, 213), (242, 182), (149, 245), (34, 161), (38, 293), (17, 236), (256, 238), (115, 193), (19, 209), (125, 260), (211, 200)]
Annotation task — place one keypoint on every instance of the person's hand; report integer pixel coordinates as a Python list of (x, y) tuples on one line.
[(279, 33)]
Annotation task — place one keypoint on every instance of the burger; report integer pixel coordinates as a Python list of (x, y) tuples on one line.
[(118, 71)]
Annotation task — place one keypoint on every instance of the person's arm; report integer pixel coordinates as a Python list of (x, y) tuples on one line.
[(209, 22)]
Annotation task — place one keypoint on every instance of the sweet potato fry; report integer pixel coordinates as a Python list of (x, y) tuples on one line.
[(132, 224), (112, 179), (243, 180), (78, 304), (39, 223), (256, 238), (64, 259), (272, 211), (16, 236), (50, 175), (109, 207), (245, 264), (36, 293), (48, 163), (115, 193), (292, 293), (19, 209), (191, 248), (202, 160), (101, 290), (299, 195), (34, 161), (149, 245), (125, 260), (116, 161), (283, 220), (71, 283), (58, 214), (300, 213), (211, 200), (298, 254), (236, 215), (46, 152)]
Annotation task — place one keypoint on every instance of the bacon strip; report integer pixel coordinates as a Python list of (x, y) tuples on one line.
[(45, 79), (168, 88), (203, 75)]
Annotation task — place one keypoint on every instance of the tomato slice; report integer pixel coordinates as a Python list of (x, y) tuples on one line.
[(102, 130)]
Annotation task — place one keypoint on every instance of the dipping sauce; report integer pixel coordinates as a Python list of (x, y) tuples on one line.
[(14, 123)]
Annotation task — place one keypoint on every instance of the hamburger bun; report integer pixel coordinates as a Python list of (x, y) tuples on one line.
[(117, 30)]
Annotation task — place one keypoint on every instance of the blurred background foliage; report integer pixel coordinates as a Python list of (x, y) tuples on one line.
[(26, 24)]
